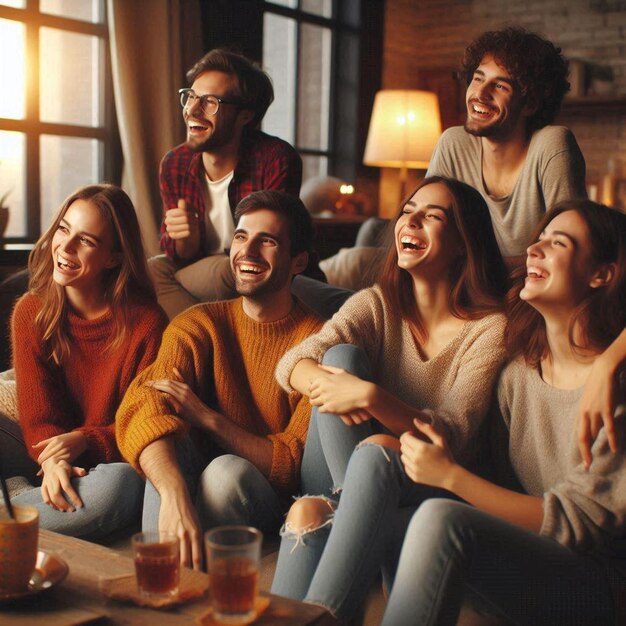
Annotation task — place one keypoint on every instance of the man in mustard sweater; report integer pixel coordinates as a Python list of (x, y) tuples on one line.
[(207, 424)]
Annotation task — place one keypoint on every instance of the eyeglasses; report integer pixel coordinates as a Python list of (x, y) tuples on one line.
[(209, 104)]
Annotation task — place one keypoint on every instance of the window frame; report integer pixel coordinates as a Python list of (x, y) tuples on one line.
[(33, 127), (344, 166)]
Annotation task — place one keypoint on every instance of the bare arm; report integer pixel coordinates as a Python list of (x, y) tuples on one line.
[(432, 464), (177, 514), (597, 406), (234, 439)]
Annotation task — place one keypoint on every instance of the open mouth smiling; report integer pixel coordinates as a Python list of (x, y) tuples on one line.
[(66, 264), (535, 272), (481, 110), (412, 243), (249, 268)]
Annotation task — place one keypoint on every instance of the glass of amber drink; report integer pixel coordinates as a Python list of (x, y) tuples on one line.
[(233, 554), (157, 563)]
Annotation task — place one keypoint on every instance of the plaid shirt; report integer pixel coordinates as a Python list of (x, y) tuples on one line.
[(265, 162)]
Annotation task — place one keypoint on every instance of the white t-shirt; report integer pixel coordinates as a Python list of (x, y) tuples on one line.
[(218, 216)]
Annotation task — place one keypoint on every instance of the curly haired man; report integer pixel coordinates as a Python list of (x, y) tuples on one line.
[(508, 149)]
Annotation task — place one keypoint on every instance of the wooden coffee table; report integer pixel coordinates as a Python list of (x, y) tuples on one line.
[(77, 600)]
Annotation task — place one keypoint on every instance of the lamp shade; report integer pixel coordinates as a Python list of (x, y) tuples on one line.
[(404, 129)]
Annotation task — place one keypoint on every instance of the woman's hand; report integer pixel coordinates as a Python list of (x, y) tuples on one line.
[(425, 462), (186, 402), (597, 408), (338, 391), (66, 447), (56, 480)]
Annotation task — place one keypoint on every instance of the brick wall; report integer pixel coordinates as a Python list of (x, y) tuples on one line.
[(433, 34)]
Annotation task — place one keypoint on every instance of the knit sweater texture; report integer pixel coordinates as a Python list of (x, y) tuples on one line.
[(583, 509), (456, 384), (85, 391), (228, 360)]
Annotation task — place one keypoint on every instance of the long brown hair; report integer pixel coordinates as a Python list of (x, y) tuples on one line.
[(477, 277), (601, 315), (124, 284)]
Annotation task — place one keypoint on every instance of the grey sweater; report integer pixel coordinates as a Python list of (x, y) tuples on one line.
[(554, 170), (456, 383), (583, 509)]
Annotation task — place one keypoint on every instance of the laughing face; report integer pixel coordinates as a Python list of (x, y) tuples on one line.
[(426, 236), (260, 254), (82, 248), (495, 105), (558, 265), (210, 132)]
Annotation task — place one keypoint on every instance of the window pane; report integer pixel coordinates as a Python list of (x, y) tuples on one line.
[(314, 87), (70, 78), (314, 166), (13, 181), (279, 57), (66, 164), (292, 4), (18, 4), (85, 10), (318, 7), (12, 70)]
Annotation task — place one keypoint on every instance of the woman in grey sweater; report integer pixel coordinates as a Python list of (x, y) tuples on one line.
[(555, 552)]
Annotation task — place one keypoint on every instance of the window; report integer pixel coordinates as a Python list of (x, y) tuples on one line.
[(311, 51), (55, 111)]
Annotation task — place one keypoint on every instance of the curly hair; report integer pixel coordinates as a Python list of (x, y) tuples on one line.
[(536, 65)]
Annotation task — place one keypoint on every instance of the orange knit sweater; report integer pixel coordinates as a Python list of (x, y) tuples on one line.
[(228, 360), (84, 393)]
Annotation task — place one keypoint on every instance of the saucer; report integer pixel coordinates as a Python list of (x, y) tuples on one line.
[(50, 570)]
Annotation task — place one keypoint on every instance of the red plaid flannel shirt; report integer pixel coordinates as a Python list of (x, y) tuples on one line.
[(265, 162)]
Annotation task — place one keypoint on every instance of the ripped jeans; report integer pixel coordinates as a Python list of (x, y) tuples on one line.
[(336, 564)]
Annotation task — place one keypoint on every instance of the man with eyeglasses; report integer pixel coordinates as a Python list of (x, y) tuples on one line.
[(224, 159)]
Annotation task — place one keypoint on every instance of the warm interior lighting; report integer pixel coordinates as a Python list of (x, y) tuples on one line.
[(404, 129), (346, 189)]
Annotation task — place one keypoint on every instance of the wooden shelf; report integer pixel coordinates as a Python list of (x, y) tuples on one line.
[(593, 105)]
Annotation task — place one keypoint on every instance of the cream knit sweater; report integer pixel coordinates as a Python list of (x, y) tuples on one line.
[(456, 384)]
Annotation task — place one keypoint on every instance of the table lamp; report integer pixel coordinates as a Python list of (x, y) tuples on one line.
[(404, 129)]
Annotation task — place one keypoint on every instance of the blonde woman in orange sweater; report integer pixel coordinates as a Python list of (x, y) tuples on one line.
[(88, 325)]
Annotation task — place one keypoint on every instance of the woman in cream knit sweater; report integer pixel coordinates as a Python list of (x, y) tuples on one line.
[(425, 341)]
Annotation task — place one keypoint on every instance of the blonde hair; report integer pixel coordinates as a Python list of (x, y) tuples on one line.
[(124, 284)]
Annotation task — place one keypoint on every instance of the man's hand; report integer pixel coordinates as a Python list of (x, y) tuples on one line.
[(56, 480), (178, 515), (66, 447), (183, 227), (186, 402)]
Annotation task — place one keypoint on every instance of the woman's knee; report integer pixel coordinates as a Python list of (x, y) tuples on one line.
[(387, 441), (348, 357), (309, 513)]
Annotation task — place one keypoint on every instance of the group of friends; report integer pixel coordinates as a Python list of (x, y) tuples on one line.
[(451, 427)]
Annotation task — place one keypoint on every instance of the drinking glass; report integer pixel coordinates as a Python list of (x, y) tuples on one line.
[(18, 548), (233, 554), (157, 563)]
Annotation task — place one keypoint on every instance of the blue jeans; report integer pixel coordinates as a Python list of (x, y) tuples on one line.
[(111, 493), (335, 565), (330, 442), (227, 490), (451, 547)]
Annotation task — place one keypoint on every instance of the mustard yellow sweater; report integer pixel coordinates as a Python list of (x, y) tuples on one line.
[(228, 360)]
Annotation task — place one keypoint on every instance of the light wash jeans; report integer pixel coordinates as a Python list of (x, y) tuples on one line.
[(111, 493), (451, 547), (330, 442), (335, 565), (227, 490)]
